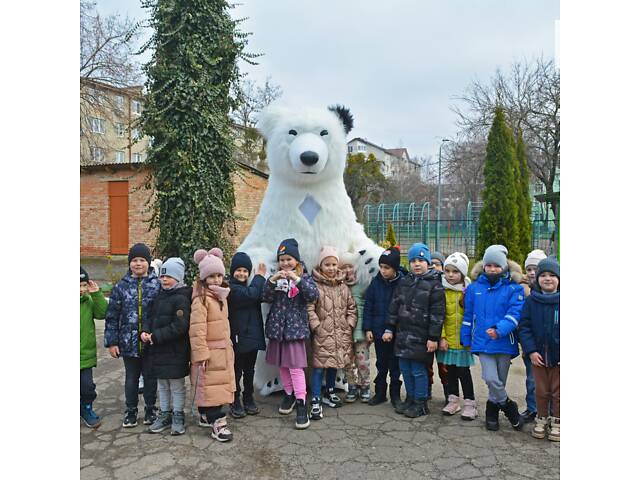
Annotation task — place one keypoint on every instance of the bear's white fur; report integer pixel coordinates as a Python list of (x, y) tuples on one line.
[(308, 202)]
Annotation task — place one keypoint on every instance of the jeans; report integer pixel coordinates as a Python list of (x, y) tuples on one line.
[(386, 363), (87, 387), (316, 380), (171, 389), (415, 377), (531, 385), (244, 366), (495, 369), (133, 367)]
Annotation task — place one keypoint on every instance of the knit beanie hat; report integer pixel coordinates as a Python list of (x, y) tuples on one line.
[(289, 246), (534, 258), (209, 262), (240, 260), (458, 260), (174, 268), (328, 251), (439, 256), (390, 257), (84, 276), (496, 254), (349, 258), (419, 250), (140, 250), (548, 265)]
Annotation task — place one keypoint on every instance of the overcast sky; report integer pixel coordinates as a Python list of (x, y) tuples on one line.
[(396, 64)]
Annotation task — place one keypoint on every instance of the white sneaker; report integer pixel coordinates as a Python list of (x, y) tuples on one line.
[(554, 429), (540, 427)]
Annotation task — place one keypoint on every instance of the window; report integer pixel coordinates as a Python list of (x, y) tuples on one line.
[(97, 125), (362, 148), (119, 156), (135, 134), (119, 102), (97, 154), (137, 158), (350, 149), (136, 107), (120, 129)]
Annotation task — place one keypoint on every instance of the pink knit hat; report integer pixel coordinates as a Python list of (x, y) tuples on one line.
[(209, 262), (328, 251)]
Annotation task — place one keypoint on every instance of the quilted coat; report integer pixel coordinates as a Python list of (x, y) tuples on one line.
[(358, 291), (454, 313), (539, 328), (245, 314), (332, 319), (92, 305), (376, 303), (210, 337)]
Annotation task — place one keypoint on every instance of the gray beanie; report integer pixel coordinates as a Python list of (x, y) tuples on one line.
[(174, 268), (496, 254), (550, 265), (438, 256)]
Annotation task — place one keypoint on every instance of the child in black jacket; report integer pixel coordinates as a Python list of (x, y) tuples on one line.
[(166, 330), (247, 329)]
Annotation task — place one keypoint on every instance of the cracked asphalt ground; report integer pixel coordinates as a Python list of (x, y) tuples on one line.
[(355, 441)]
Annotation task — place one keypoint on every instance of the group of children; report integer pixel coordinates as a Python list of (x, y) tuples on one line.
[(213, 330)]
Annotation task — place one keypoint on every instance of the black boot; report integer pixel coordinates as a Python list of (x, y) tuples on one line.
[(380, 396), (417, 408), (302, 418), (510, 409), (394, 392), (250, 405), (401, 407), (491, 416), (237, 410)]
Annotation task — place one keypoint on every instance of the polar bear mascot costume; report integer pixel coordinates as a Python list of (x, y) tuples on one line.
[(306, 199)]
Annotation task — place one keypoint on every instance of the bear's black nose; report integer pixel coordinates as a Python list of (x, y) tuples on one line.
[(309, 158)]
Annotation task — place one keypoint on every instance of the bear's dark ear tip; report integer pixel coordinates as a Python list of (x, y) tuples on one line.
[(345, 116)]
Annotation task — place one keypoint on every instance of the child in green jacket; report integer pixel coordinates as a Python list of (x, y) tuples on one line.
[(92, 305)]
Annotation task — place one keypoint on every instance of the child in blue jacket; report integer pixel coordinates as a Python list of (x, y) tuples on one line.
[(539, 332), (491, 314), (374, 318)]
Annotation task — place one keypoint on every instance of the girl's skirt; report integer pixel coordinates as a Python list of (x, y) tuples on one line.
[(457, 357), (287, 354)]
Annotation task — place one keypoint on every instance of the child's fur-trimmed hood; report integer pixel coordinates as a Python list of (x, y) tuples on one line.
[(514, 270)]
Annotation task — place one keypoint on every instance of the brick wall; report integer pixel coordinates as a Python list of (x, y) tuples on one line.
[(94, 206)]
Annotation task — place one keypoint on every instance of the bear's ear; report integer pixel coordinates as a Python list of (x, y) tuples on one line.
[(344, 115), (270, 118)]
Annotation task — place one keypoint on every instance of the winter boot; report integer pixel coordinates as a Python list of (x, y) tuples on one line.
[(417, 408), (470, 410), (491, 416), (237, 410), (380, 396), (302, 419), (161, 423), (528, 416), (554, 429), (365, 394), (220, 430), (130, 418), (331, 398), (90, 418), (177, 423), (287, 404), (150, 414), (394, 393), (401, 407), (510, 409), (453, 405), (316, 408), (352, 394), (540, 427), (250, 405)]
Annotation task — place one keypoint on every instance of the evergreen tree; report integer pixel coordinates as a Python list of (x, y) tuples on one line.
[(391, 236), (196, 46), (498, 221), (524, 200)]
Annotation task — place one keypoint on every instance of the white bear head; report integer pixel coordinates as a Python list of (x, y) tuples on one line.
[(306, 146)]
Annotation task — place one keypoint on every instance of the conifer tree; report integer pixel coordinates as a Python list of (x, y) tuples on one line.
[(196, 46), (391, 236), (498, 221), (524, 200)]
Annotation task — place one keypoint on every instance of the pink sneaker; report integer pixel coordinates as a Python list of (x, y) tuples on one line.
[(470, 410), (453, 405)]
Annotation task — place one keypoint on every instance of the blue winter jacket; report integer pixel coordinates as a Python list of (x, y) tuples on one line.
[(492, 306), (539, 328), (245, 314), (123, 324), (376, 303)]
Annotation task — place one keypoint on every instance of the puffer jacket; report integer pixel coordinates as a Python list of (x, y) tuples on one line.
[(357, 292), (210, 337), (376, 303), (168, 325), (288, 318), (332, 319), (92, 305), (454, 312), (539, 328), (493, 306), (130, 303), (416, 314), (245, 314)]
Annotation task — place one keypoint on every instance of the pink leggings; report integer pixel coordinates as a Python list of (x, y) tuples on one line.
[(293, 381)]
